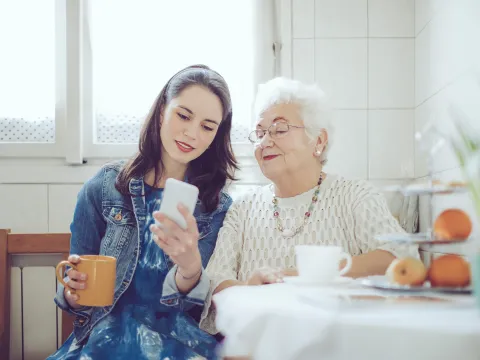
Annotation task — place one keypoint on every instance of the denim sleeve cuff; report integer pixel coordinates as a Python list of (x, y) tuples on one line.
[(171, 296), (62, 303)]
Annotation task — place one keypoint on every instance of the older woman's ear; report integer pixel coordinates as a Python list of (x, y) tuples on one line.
[(322, 142)]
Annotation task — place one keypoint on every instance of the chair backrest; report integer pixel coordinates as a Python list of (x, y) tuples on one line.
[(26, 244)]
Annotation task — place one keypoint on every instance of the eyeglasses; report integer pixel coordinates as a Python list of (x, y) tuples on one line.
[(277, 130)]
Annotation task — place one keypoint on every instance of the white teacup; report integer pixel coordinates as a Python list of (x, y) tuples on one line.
[(321, 263)]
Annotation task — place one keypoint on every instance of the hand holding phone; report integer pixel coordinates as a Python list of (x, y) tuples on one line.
[(175, 228)]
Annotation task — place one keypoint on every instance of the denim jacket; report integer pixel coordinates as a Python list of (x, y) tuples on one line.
[(97, 228)]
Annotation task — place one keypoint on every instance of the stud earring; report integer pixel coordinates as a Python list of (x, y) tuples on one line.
[(318, 153)]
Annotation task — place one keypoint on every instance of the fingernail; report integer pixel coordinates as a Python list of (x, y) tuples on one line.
[(181, 206), (75, 297), (83, 277), (158, 215)]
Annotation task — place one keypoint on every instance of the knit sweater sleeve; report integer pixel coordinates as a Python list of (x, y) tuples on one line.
[(225, 261), (371, 218)]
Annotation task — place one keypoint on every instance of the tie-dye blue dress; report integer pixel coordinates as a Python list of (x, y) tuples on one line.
[(140, 327)]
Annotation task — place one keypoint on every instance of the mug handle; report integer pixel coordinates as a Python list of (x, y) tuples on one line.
[(61, 266), (348, 265)]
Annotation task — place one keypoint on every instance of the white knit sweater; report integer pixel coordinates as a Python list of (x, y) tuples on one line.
[(348, 213)]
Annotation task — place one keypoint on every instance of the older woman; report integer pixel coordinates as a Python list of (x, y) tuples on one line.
[(303, 205)]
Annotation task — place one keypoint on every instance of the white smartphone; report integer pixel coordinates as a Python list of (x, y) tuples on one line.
[(177, 192)]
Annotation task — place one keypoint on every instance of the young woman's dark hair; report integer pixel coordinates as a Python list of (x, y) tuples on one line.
[(211, 170)]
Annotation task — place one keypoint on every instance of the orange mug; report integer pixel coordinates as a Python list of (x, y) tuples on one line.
[(101, 275)]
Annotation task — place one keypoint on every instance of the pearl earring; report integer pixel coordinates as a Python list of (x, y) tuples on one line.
[(318, 152)]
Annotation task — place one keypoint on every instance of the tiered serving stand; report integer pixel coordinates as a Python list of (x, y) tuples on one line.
[(427, 240)]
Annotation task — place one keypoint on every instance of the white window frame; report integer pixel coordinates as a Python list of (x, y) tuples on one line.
[(74, 108)]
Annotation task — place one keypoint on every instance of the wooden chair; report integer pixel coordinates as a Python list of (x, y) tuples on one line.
[(20, 244)]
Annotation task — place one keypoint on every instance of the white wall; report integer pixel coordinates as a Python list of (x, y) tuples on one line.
[(362, 54), (447, 56)]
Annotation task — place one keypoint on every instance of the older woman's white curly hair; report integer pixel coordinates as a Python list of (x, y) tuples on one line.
[(315, 111)]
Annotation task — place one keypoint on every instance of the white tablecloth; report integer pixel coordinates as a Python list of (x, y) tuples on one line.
[(285, 321)]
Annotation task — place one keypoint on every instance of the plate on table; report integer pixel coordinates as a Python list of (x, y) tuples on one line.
[(298, 280), (381, 282), (418, 238)]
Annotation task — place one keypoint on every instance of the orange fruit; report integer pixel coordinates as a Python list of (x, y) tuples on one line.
[(449, 271), (452, 224)]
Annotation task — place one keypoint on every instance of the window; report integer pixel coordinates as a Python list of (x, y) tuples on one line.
[(27, 71), (78, 77), (138, 46)]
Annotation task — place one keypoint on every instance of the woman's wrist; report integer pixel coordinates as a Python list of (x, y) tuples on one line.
[(192, 270), (190, 274)]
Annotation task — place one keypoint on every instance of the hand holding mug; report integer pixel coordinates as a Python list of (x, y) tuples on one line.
[(76, 280), (90, 280)]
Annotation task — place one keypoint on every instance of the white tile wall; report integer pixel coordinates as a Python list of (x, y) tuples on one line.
[(423, 74), (390, 140), (303, 19), (304, 60), (348, 155), (359, 71), (424, 11), (444, 47), (391, 18), (423, 116), (391, 75), (463, 94), (23, 208), (341, 70), (61, 205), (340, 18)]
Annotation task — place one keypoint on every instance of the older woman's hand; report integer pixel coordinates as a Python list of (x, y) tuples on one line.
[(270, 276), (181, 245)]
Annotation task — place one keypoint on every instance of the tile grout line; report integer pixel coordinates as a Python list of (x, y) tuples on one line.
[(291, 39), (368, 95), (414, 95), (314, 45)]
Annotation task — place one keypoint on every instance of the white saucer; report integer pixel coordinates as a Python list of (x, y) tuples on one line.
[(298, 280)]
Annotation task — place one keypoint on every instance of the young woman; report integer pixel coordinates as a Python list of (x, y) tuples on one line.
[(161, 284)]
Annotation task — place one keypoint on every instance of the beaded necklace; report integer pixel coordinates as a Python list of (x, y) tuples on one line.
[(276, 212)]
